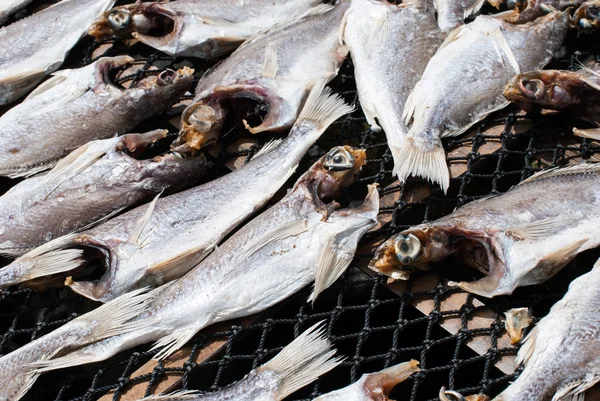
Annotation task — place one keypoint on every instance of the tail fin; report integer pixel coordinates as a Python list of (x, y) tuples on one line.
[(323, 107), (51, 258), (302, 361), (111, 319), (414, 158)]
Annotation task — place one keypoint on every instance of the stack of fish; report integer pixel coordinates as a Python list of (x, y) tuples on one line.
[(424, 71)]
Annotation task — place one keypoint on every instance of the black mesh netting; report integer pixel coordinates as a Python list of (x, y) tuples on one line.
[(369, 324)]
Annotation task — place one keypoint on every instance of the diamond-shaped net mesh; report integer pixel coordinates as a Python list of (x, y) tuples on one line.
[(459, 340)]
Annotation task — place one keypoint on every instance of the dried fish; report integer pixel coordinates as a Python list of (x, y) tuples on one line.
[(380, 36), (522, 237), (193, 28), (517, 320), (451, 395), (9, 7), (91, 184), (273, 67), (577, 92), (297, 365), (159, 242), (78, 106), (302, 239), (35, 46), (452, 13), (528, 10), (561, 352), (374, 386), (463, 84), (587, 17)]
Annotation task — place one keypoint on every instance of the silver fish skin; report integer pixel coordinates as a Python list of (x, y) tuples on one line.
[(380, 36), (16, 377), (463, 84), (274, 67), (374, 386), (297, 365), (452, 13), (9, 7), (519, 238), (561, 354), (298, 241), (204, 29), (36, 46), (153, 244), (78, 106), (92, 183)]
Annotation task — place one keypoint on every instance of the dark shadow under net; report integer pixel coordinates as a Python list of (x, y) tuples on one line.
[(369, 324)]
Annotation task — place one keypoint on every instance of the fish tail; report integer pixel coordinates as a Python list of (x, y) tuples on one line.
[(322, 107), (385, 380), (427, 160), (52, 258), (302, 361)]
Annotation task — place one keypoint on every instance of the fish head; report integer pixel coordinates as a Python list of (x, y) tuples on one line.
[(587, 17), (413, 248), (550, 89), (128, 19), (336, 170), (201, 124), (165, 87)]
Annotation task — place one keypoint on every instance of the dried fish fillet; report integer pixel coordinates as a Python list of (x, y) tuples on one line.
[(78, 106), (193, 28), (161, 241), (374, 386), (381, 36), (9, 7), (463, 84), (300, 240), (452, 13), (297, 365), (50, 34), (522, 237), (561, 354), (92, 183), (274, 67), (576, 92)]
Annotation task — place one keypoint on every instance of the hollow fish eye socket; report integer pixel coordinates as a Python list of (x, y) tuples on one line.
[(593, 13), (119, 19), (532, 88), (408, 248), (338, 159), (167, 77)]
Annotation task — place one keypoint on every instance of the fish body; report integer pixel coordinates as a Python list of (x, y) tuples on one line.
[(278, 67), (374, 386), (298, 364), (204, 29), (522, 237), (452, 13), (159, 242), (78, 106), (298, 241), (463, 84), (380, 36), (576, 92), (95, 181), (9, 7), (561, 352), (50, 34)]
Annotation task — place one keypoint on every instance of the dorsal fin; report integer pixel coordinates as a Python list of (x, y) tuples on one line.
[(586, 168)]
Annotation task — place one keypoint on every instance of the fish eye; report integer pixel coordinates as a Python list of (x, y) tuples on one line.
[(167, 77), (408, 248), (202, 118), (519, 4), (585, 25), (338, 159), (119, 19), (533, 88)]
